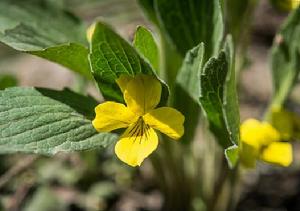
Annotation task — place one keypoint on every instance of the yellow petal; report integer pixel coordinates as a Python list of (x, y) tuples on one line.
[(270, 133), (167, 120), (137, 143), (258, 134), (142, 93), (111, 116), (279, 153), (123, 81)]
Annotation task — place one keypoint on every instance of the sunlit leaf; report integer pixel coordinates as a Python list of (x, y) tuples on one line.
[(188, 23), (145, 43), (38, 121), (110, 57), (218, 97), (40, 28)]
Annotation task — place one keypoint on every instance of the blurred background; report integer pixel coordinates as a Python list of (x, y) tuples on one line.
[(98, 181)]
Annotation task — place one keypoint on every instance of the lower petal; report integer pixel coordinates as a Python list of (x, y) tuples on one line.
[(137, 143), (123, 81), (280, 153)]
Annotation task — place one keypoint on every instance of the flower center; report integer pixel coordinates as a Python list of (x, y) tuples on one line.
[(140, 130)]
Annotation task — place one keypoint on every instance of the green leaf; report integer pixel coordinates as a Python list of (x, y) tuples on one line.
[(145, 43), (39, 28), (231, 109), (32, 121), (285, 58), (188, 23), (110, 57), (84, 105), (187, 90), (7, 81), (189, 74), (232, 155), (218, 97), (239, 15)]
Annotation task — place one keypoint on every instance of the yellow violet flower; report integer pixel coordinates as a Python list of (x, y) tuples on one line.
[(286, 5), (141, 94), (260, 140)]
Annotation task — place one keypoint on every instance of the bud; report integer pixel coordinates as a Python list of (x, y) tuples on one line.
[(90, 31)]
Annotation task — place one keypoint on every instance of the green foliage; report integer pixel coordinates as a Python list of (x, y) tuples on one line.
[(187, 90), (40, 28), (32, 121), (145, 43), (232, 155), (84, 105), (238, 18), (7, 81), (196, 22), (187, 23), (218, 97), (231, 109), (189, 75), (285, 58), (110, 57)]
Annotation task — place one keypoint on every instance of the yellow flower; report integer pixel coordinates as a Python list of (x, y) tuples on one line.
[(141, 94), (286, 5), (260, 140)]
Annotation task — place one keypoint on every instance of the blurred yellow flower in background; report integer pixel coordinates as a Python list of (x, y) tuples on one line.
[(260, 140), (286, 5), (142, 94)]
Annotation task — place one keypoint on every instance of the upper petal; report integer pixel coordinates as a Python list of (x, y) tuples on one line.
[(137, 143), (142, 93), (280, 153), (258, 134), (123, 81), (167, 120), (111, 116)]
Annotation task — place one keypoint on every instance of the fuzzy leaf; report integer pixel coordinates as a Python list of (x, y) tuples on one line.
[(187, 90), (189, 75), (218, 97), (33, 121), (145, 43), (285, 58), (188, 23), (40, 28), (110, 57)]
